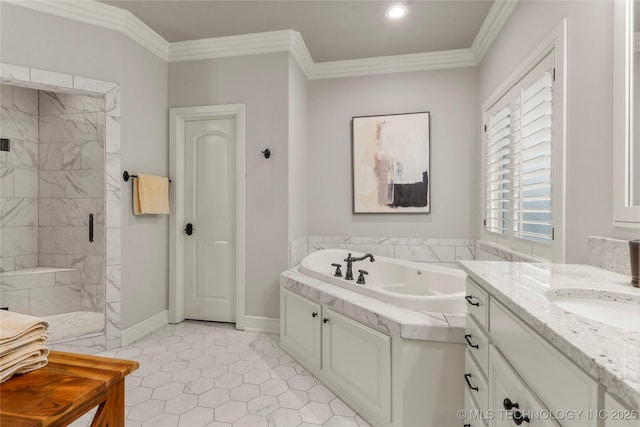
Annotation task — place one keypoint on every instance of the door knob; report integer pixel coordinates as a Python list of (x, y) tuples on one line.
[(189, 229)]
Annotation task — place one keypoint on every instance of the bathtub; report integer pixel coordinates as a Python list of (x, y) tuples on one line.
[(413, 285)]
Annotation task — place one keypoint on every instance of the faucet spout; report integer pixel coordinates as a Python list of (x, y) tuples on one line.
[(350, 260)]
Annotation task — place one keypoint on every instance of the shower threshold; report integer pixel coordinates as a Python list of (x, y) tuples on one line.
[(74, 324)]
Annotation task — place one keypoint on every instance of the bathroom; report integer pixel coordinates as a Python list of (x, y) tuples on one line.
[(299, 200)]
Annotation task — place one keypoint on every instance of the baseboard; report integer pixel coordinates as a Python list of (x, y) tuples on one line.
[(265, 325), (143, 328)]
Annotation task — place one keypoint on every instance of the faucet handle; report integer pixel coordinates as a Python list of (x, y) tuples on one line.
[(338, 272), (361, 277)]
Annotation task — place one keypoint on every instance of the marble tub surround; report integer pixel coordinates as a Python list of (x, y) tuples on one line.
[(609, 354), (609, 254), (488, 251), (386, 318), (41, 291), (19, 178)]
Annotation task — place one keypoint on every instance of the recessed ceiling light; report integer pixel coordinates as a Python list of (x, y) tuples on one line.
[(396, 11)]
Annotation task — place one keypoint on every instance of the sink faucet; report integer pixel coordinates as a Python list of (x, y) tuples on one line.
[(350, 260)]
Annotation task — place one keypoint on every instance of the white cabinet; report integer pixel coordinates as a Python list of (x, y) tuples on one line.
[(300, 331), (352, 358), (616, 414), (357, 360)]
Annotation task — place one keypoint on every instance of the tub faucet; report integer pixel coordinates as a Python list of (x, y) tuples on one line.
[(350, 260)]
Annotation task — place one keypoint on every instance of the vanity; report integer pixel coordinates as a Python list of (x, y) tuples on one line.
[(540, 352)]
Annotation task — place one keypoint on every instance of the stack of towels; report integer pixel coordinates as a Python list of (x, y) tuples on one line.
[(22, 344)]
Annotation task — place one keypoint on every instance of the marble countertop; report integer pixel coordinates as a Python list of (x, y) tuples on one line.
[(388, 318), (609, 354)]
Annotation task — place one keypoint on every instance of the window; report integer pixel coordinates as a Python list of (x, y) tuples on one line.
[(520, 168)]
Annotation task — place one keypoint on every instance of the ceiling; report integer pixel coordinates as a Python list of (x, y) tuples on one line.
[(332, 29)]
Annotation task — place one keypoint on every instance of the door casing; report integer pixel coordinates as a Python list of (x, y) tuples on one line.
[(177, 119)]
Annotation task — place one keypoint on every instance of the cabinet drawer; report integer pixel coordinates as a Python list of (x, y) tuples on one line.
[(474, 415), (475, 382), (545, 370), (477, 303), (477, 343)]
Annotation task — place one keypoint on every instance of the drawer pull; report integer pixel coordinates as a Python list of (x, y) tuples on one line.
[(466, 378), (469, 298), (509, 405), (518, 418), (314, 314), (468, 340)]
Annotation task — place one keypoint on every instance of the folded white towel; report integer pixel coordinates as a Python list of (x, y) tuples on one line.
[(15, 325), (33, 337), (23, 360)]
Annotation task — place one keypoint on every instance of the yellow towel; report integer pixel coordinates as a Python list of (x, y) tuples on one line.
[(150, 195)]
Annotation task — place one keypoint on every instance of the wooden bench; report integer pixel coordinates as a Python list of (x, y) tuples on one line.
[(68, 387)]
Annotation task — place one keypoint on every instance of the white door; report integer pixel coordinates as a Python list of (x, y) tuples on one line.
[(210, 207)]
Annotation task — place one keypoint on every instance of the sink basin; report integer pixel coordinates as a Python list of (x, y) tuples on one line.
[(623, 315)]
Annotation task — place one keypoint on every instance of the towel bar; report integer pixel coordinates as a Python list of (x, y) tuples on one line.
[(126, 175)]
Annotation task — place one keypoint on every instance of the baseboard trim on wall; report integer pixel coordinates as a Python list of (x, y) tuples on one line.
[(261, 324), (143, 328)]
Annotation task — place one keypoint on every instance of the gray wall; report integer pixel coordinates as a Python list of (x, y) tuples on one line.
[(589, 203), (298, 152), (48, 42), (261, 82), (450, 96)]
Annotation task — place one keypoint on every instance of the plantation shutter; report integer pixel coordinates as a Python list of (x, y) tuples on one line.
[(532, 165), (498, 171)]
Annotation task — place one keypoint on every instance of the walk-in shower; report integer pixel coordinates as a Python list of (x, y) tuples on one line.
[(52, 208)]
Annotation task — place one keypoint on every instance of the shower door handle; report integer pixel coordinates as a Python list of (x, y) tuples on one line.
[(91, 227)]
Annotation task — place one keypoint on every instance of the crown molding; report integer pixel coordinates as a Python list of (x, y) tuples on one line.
[(102, 15), (393, 64), (113, 18), (491, 27)]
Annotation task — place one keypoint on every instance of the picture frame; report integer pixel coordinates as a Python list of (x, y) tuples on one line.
[(391, 163)]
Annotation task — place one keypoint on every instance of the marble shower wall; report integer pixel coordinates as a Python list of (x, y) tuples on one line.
[(71, 164), (19, 179)]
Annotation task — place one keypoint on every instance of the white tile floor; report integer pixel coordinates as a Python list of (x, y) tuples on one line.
[(208, 374)]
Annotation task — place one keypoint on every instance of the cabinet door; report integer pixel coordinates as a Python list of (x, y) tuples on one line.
[(300, 328), (357, 361), (506, 391)]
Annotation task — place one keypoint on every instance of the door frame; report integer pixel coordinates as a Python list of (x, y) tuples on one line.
[(177, 119)]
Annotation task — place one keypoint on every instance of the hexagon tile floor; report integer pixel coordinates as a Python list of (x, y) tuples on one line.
[(208, 374)]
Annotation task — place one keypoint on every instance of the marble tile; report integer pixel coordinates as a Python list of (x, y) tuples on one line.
[(112, 101), (97, 247), (54, 300), (18, 212), (85, 183), (382, 250), (18, 125), (84, 104), (25, 183), (7, 264), (44, 211), (68, 278), (72, 212), (444, 253), (52, 260), (113, 246), (92, 155), (609, 254), (113, 173), (92, 267), (25, 100), (6, 182), (25, 261), (465, 252), (416, 253), (68, 127), (18, 241), (61, 240), (6, 96), (51, 78), (113, 314), (14, 72), (17, 301), (92, 298), (52, 103), (53, 184), (23, 155), (92, 85), (113, 277), (20, 282), (59, 156), (114, 210), (112, 136)]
